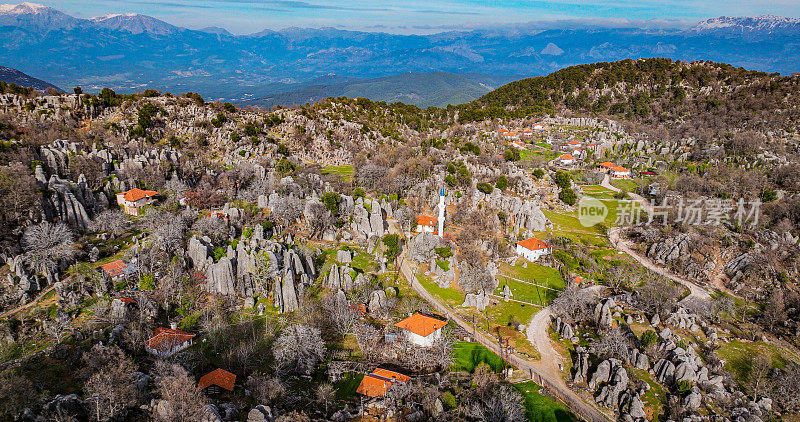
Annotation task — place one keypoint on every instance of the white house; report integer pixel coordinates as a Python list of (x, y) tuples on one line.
[(134, 199), (426, 224), (421, 330), (532, 249), (619, 172), (566, 160)]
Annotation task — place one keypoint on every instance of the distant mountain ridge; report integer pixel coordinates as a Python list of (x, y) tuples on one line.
[(129, 52), (14, 76), (419, 89)]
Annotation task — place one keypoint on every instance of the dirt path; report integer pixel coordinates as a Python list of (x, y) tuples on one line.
[(27, 305), (695, 291)]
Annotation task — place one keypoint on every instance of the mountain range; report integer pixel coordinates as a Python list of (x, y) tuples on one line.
[(14, 76), (129, 52)]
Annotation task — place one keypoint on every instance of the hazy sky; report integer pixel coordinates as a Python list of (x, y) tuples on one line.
[(417, 16)]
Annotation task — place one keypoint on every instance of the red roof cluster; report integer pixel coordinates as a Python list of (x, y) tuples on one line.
[(219, 377), (420, 324)]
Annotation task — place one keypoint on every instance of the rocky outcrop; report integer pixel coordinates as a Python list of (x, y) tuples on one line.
[(616, 384), (602, 313), (670, 249), (221, 278), (260, 413), (581, 365), (478, 300)]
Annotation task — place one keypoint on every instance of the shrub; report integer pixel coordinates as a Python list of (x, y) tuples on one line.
[(648, 338), (502, 182), (188, 323), (444, 252), (511, 154), (449, 400), (359, 193), (563, 180), (684, 387), (219, 253), (568, 196), (331, 201), (450, 180), (247, 232), (485, 188), (538, 173), (147, 282), (392, 243)]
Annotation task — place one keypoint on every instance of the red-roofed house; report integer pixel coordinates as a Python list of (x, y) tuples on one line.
[(510, 135), (566, 160), (532, 249), (619, 172), (135, 199), (426, 224), (421, 330), (212, 382), (379, 381), (168, 341), (115, 269)]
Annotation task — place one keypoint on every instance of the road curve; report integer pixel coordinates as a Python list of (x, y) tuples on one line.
[(541, 371), (695, 291)]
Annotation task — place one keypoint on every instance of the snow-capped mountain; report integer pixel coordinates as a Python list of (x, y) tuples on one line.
[(134, 23), (36, 17), (765, 25)]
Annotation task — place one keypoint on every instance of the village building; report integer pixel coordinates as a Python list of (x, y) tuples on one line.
[(532, 249), (517, 144), (510, 135), (168, 341), (215, 381), (421, 330), (426, 224), (118, 270), (572, 145), (619, 172), (527, 132), (377, 383), (566, 160), (133, 200)]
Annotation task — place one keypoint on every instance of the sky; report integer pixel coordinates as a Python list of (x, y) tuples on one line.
[(421, 16)]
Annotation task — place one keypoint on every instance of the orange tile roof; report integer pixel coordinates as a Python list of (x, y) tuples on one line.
[(127, 300), (136, 194), (385, 373), (574, 143), (420, 324), (509, 134), (165, 339), (619, 168), (426, 220), (533, 244), (218, 377), (502, 130), (607, 164), (379, 381), (115, 268), (566, 157)]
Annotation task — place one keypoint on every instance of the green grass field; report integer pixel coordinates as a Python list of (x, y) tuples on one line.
[(450, 295), (541, 408), (534, 273), (629, 185), (739, 355), (467, 356), (347, 386), (345, 172), (597, 191)]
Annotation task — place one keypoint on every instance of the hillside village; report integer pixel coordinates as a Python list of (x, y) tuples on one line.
[(166, 258)]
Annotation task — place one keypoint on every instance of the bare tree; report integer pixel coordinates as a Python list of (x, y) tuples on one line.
[(169, 235), (775, 311), (183, 402), (318, 218), (474, 279), (47, 246), (325, 395), (16, 393), (264, 388), (109, 389), (109, 221), (299, 348), (287, 210), (215, 228), (339, 315), (574, 304), (657, 296)]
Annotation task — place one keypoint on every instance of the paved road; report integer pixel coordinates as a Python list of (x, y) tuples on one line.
[(539, 370)]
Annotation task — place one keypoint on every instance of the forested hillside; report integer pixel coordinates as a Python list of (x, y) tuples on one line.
[(698, 99)]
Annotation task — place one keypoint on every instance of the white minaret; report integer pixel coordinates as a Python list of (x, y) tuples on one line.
[(441, 213)]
